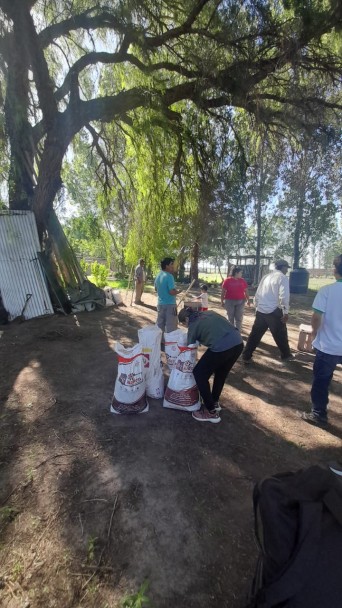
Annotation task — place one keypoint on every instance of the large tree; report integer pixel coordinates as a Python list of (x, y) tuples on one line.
[(56, 55)]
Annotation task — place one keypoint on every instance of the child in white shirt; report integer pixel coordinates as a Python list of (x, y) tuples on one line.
[(203, 297)]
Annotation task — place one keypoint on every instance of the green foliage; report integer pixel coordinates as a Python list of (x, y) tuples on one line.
[(7, 514), (99, 273), (85, 266), (138, 599), (91, 545)]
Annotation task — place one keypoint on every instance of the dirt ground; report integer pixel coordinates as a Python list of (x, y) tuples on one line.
[(93, 505)]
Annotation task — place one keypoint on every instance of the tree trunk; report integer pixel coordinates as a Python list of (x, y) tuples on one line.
[(297, 232), (194, 263)]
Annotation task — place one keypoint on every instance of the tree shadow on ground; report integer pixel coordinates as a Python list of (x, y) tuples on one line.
[(116, 500)]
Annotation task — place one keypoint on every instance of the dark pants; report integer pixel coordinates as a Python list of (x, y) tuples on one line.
[(323, 369), (274, 322), (218, 364)]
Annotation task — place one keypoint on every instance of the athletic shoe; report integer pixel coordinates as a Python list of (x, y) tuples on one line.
[(203, 415), (311, 418), (217, 406)]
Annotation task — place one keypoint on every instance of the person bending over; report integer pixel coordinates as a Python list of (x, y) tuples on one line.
[(224, 344)]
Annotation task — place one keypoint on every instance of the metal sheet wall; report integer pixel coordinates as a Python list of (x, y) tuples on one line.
[(20, 270)]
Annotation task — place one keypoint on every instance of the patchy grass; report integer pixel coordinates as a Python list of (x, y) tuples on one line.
[(316, 283)]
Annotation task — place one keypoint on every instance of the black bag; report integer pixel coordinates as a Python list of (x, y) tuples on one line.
[(298, 527)]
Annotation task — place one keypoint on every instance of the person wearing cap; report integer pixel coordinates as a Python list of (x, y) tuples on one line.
[(165, 287), (272, 300), (139, 278), (224, 344), (326, 324)]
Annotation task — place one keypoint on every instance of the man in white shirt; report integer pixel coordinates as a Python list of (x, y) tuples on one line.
[(272, 300), (326, 324)]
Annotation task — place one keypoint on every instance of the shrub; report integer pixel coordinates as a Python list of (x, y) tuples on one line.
[(84, 265), (100, 274)]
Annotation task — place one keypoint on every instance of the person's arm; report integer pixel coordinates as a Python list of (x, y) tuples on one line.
[(284, 297), (223, 293), (172, 288), (174, 292), (192, 333), (246, 294), (316, 321)]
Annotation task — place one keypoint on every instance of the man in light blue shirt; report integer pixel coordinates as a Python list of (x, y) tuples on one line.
[(165, 287)]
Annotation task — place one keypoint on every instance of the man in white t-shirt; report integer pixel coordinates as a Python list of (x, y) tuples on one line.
[(326, 324), (272, 301)]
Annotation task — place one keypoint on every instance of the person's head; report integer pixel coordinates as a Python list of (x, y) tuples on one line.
[(204, 288), (184, 314), (188, 315), (167, 264), (142, 262), (236, 272), (282, 265), (338, 266)]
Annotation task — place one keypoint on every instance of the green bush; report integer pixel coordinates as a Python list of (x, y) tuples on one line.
[(85, 266), (100, 274)]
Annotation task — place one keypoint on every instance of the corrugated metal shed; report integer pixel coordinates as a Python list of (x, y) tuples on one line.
[(20, 270)]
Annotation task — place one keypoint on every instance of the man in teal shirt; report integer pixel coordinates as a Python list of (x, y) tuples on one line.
[(165, 287)]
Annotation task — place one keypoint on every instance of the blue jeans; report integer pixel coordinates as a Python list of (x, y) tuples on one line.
[(323, 369)]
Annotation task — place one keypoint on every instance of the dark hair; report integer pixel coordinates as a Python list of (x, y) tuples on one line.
[(338, 264), (235, 270), (204, 287), (184, 314), (165, 262), (141, 260)]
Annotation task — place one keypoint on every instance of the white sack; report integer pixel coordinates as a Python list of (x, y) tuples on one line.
[(109, 302), (117, 298), (150, 340), (108, 292), (172, 341), (130, 386), (181, 392)]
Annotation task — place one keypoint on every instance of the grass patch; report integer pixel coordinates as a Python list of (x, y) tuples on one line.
[(315, 283)]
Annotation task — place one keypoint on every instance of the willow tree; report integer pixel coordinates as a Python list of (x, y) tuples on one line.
[(210, 54)]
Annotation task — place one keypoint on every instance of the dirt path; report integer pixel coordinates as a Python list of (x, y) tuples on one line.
[(93, 505)]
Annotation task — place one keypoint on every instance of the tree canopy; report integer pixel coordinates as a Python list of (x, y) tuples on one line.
[(259, 56)]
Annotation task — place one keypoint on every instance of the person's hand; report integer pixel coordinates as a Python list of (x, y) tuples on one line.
[(222, 304), (285, 318)]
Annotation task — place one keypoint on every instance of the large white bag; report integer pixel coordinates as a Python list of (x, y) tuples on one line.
[(181, 392), (150, 340), (117, 297), (172, 341), (130, 386)]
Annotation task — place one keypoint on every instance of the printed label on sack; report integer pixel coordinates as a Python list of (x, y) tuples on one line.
[(184, 366), (146, 352), (182, 398), (131, 379)]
